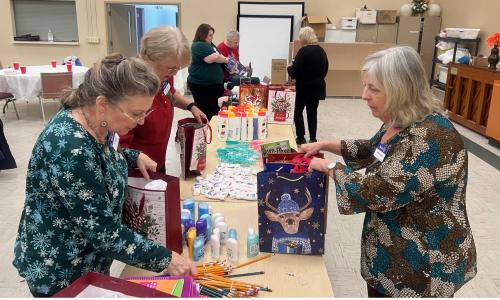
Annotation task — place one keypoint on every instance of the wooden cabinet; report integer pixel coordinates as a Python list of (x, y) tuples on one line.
[(419, 33), (468, 95), (493, 125)]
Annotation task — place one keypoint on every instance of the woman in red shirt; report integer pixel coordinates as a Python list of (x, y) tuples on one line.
[(166, 50)]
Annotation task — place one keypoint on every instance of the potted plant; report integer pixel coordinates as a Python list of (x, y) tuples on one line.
[(494, 41)]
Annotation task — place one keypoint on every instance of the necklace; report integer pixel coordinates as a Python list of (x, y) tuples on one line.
[(91, 128)]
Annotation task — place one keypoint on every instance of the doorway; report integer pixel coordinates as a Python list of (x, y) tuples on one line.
[(127, 23)]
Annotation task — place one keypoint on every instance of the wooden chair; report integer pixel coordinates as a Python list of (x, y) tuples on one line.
[(9, 98), (53, 86)]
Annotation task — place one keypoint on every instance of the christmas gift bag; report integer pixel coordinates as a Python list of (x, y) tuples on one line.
[(254, 94), (281, 104), (193, 138), (292, 210), (154, 214)]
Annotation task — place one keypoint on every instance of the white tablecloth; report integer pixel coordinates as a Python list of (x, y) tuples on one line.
[(29, 85)]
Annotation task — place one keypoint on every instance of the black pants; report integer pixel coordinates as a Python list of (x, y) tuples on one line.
[(312, 117), (206, 96)]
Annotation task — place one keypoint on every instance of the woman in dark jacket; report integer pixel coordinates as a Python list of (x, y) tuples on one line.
[(309, 70)]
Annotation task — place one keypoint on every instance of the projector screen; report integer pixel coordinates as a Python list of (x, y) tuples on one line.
[(263, 38), (295, 9)]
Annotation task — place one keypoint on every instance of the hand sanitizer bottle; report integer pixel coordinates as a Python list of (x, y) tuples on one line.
[(50, 36), (252, 243)]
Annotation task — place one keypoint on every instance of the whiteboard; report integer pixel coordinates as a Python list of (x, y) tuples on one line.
[(295, 9), (263, 38)]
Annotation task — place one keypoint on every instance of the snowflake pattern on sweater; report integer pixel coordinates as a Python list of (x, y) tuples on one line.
[(72, 218)]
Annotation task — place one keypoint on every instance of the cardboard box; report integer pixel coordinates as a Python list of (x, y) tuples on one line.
[(318, 23), (368, 16), (387, 16), (278, 71)]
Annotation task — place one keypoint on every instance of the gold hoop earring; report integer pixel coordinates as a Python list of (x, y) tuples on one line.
[(104, 124)]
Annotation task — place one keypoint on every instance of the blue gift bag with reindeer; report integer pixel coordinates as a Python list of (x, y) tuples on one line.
[(292, 210)]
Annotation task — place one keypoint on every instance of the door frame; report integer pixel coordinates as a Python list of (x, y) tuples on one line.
[(108, 21)]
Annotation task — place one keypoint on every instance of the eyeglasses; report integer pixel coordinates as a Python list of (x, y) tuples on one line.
[(135, 118)]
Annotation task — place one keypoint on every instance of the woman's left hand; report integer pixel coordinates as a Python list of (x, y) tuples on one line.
[(319, 164), (144, 163), (199, 115)]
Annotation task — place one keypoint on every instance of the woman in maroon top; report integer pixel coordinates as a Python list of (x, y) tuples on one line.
[(166, 50)]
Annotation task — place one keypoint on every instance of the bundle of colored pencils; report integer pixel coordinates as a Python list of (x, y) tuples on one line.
[(217, 286), (214, 280), (216, 267)]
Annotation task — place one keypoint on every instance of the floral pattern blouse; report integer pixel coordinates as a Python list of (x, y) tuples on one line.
[(416, 238), (72, 217)]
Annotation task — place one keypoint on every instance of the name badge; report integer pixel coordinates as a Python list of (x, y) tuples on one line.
[(114, 140), (380, 152)]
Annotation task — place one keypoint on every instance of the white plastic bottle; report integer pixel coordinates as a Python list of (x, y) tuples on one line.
[(222, 226), (252, 243), (244, 126), (223, 125), (231, 122), (215, 216), (232, 249), (50, 36), (215, 245), (237, 127), (249, 126)]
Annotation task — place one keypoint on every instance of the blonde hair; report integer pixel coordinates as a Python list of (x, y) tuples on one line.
[(401, 74), (165, 41), (114, 77), (307, 36)]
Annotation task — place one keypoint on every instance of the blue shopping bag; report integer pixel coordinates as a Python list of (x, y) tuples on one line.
[(292, 210)]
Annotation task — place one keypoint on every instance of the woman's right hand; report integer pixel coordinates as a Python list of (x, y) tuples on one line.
[(311, 148), (180, 266)]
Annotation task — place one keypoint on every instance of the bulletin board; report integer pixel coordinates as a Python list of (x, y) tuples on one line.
[(263, 38), (295, 9)]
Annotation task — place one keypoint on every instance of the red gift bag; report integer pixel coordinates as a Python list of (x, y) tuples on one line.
[(193, 138), (254, 94), (97, 285), (154, 214), (281, 104)]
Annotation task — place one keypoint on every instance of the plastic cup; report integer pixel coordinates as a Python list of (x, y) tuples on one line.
[(69, 66), (53, 63), (23, 69), (15, 65)]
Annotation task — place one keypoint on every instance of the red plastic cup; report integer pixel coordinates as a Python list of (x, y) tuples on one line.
[(16, 66), (23, 69), (69, 66), (53, 63)]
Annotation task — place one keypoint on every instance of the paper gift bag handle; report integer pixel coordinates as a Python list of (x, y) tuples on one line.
[(204, 133), (291, 180), (141, 206)]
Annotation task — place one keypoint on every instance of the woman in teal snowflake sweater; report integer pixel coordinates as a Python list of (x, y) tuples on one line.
[(77, 181)]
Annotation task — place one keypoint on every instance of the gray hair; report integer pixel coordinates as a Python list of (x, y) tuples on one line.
[(307, 36), (115, 78), (165, 41), (232, 34), (401, 74)]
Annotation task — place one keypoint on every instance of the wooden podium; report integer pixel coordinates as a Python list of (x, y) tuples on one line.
[(468, 95)]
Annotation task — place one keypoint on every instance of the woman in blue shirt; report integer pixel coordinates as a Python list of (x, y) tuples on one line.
[(77, 182)]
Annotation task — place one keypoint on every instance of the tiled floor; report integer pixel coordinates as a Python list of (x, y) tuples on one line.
[(338, 118)]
